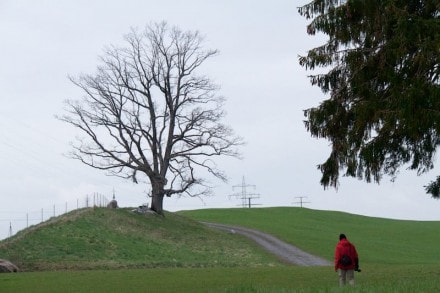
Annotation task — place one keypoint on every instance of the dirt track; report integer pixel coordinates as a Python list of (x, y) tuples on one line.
[(284, 251)]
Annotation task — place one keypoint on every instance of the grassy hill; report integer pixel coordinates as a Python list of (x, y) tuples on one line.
[(104, 238), (378, 240), (177, 254)]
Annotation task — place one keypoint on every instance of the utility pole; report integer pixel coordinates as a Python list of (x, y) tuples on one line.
[(245, 196), (301, 202), (10, 229)]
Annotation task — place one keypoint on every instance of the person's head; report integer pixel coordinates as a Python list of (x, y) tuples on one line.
[(342, 236)]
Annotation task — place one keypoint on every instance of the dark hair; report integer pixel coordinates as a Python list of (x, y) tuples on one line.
[(342, 236)]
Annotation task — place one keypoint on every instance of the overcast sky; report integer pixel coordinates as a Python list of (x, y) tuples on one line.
[(44, 41)]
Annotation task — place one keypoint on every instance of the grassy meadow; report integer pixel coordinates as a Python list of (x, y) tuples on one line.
[(101, 238), (100, 250), (379, 241), (407, 278)]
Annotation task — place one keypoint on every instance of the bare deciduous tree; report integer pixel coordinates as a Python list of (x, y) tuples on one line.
[(147, 112)]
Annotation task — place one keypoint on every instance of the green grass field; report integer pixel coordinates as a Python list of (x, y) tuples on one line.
[(177, 254), (109, 239), (378, 240), (403, 278)]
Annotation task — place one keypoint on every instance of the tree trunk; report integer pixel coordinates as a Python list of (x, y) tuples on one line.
[(157, 194), (157, 203)]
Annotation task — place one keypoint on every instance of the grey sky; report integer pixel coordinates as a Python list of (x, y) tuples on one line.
[(45, 41)]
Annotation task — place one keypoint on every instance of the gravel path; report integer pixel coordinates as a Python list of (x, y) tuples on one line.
[(286, 252)]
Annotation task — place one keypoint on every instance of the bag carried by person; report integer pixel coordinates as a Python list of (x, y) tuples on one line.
[(345, 260)]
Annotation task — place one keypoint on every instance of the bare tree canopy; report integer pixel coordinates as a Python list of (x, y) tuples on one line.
[(383, 82), (148, 112)]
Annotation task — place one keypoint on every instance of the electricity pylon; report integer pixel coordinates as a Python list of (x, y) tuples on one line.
[(245, 196)]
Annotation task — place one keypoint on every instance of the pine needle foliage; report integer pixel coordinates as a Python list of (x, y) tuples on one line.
[(381, 84)]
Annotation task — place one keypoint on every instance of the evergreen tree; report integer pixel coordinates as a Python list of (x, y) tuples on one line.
[(382, 86)]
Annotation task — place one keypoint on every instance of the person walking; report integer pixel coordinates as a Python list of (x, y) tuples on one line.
[(346, 260)]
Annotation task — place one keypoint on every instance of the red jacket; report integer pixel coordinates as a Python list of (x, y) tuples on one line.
[(344, 247)]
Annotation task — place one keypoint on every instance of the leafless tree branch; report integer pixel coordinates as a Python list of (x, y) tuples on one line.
[(147, 111)]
